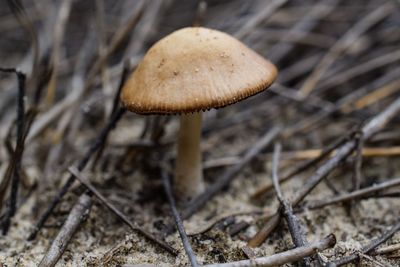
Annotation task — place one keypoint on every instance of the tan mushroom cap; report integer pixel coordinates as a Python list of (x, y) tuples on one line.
[(195, 69)]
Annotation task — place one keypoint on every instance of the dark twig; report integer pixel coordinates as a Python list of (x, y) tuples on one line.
[(178, 220), (14, 168), (394, 194), (231, 173), (298, 237), (283, 258), (124, 75), (82, 164), (20, 139), (223, 219), (77, 215), (371, 128), (368, 248), (237, 228), (76, 173), (354, 195)]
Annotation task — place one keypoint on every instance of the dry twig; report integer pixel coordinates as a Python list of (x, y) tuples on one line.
[(223, 217), (354, 195), (77, 215), (178, 220), (368, 248), (282, 258), (366, 152), (386, 250), (14, 168), (298, 237), (76, 173)]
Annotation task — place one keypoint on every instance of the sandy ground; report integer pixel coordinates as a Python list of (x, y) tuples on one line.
[(104, 241)]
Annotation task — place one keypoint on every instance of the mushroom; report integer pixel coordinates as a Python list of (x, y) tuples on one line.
[(189, 71)]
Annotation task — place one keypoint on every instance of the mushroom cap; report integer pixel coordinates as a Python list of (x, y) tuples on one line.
[(195, 69)]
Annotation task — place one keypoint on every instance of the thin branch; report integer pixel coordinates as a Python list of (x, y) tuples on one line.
[(354, 195), (14, 168), (294, 227), (282, 258), (368, 248), (275, 166), (77, 215), (357, 175), (124, 76), (286, 209), (223, 217), (394, 194), (178, 220), (366, 152), (76, 173), (386, 250)]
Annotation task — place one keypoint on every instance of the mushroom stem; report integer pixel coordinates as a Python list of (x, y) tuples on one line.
[(188, 170)]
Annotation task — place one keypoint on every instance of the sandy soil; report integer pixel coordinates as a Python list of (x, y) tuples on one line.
[(104, 241)]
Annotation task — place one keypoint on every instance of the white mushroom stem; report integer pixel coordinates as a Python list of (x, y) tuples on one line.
[(188, 171)]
